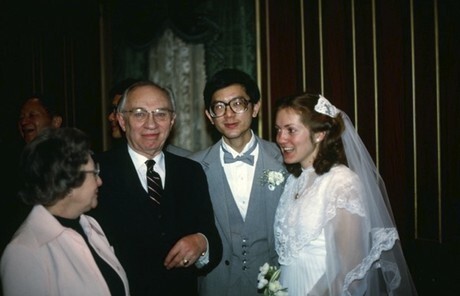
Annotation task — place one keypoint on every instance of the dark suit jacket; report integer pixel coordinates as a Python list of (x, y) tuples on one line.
[(142, 233)]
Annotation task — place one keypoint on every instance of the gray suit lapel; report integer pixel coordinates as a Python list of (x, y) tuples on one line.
[(218, 189), (261, 196)]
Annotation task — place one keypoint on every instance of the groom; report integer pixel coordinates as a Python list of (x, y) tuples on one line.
[(244, 205)]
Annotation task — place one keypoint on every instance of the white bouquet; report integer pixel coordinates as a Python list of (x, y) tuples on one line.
[(268, 281)]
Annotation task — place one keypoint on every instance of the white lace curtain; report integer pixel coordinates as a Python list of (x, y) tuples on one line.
[(180, 67)]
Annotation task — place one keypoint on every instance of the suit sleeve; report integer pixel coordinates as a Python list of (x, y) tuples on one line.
[(205, 215)]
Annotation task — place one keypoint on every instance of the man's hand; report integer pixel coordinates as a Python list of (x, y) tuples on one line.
[(186, 251)]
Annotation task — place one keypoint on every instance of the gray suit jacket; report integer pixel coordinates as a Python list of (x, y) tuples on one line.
[(250, 245)]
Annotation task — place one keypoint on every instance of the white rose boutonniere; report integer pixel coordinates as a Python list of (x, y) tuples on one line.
[(273, 178), (267, 280)]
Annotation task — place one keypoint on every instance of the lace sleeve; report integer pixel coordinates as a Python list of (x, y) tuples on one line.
[(344, 192), (356, 249), (344, 229)]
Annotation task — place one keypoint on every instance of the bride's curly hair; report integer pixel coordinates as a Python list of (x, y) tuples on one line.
[(330, 150)]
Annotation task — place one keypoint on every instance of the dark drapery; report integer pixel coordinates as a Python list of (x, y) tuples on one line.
[(225, 27)]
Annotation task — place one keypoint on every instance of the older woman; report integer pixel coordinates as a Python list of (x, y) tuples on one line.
[(58, 250)]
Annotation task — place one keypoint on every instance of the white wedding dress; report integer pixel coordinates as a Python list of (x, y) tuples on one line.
[(335, 233), (311, 210)]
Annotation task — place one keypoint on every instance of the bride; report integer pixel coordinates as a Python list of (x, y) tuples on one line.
[(334, 229)]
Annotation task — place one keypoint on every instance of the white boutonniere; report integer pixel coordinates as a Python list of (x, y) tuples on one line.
[(273, 178), (267, 280)]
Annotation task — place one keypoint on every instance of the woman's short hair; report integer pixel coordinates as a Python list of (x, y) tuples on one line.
[(50, 165)]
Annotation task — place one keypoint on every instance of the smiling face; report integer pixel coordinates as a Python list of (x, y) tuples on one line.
[(233, 126), (146, 137), (112, 117), (297, 143), (33, 118)]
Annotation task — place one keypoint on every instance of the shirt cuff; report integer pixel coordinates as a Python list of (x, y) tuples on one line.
[(204, 257)]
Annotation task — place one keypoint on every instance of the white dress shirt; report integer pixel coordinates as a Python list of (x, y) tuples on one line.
[(240, 175), (141, 168)]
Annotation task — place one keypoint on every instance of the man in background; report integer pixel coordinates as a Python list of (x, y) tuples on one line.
[(36, 113), (115, 94)]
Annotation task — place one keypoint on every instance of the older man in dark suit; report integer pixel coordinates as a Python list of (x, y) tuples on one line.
[(163, 242)]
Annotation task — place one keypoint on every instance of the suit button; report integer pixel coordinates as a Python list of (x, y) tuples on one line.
[(227, 262), (245, 268)]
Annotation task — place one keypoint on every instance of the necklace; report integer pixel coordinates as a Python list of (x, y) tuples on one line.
[(298, 188), (303, 181)]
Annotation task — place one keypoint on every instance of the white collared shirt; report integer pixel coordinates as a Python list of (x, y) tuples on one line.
[(240, 175), (141, 168)]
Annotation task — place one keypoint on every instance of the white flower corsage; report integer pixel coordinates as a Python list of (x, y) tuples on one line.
[(267, 280), (273, 178)]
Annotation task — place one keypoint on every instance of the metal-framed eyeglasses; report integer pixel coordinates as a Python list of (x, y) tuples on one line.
[(237, 105), (95, 172), (141, 115)]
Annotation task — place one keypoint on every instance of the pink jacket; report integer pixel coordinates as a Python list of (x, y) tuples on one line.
[(45, 258)]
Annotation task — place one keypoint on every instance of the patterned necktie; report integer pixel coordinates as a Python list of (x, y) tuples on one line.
[(246, 157), (155, 189)]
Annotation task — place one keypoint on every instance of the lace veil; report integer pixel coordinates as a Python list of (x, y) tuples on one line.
[(383, 266)]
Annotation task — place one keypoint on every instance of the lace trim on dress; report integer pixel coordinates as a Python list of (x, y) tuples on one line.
[(383, 239), (300, 221)]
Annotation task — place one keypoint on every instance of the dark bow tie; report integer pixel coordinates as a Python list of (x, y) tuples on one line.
[(246, 157)]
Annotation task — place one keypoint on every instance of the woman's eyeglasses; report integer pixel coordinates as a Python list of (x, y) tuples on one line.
[(96, 171)]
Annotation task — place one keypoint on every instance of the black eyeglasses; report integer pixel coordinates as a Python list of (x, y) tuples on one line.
[(237, 105), (96, 171)]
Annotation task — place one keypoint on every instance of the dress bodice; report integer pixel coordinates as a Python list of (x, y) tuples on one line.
[(308, 202)]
